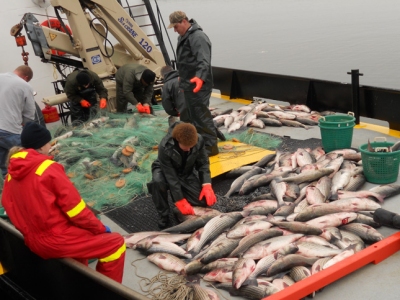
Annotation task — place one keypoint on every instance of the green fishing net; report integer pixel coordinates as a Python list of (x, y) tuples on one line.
[(96, 159)]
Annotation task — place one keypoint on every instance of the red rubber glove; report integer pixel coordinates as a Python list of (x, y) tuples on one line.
[(208, 193), (85, 103), (146, 109), (199, 83), (103, 103), (184, 207), (140, 108)]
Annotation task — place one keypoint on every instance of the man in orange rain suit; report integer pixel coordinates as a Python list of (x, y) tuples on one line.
[(47, 209)]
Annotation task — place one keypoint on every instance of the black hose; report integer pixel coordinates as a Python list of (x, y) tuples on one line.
[(106, 40)]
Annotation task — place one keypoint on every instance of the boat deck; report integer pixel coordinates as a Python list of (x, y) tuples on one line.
[(370, 282)]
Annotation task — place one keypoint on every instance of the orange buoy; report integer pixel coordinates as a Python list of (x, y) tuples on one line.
[(55, 24), (50, 114), (120, 183), (130, 149), (89, 176), (126, 152)]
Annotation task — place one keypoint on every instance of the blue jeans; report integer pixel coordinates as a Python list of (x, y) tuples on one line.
[(7, 141)]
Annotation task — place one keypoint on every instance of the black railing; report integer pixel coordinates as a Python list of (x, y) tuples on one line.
[(366, 101)]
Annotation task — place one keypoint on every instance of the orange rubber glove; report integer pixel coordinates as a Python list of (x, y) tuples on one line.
[(146, 109), (208, 193), (184, 207), (140, 108), (199, 83), (85, 103), (103, 103)]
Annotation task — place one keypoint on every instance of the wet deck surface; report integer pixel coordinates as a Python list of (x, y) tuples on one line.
[(370, 282)]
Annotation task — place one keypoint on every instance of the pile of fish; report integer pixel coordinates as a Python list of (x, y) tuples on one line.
[(260, 115), (313, 216)]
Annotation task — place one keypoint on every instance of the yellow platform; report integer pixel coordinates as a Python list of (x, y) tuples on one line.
[(239, 155)]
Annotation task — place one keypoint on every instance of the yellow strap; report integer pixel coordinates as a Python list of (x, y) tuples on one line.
[(21, 154), (117, 254), (43, 166), (77, 209)]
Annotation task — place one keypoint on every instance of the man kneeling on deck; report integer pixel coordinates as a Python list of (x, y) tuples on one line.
[(46, 208), (183, 168)]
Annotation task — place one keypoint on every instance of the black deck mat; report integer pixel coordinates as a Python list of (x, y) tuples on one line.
[(141, 215)]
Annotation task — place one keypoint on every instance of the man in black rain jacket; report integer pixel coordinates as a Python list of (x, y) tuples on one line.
[(82, 88), (194, 66), (183, 168), (134, 84), (173, 98)]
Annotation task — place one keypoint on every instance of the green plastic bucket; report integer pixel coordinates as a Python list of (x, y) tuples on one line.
[(380, 167), (337, 131), (338, 120)]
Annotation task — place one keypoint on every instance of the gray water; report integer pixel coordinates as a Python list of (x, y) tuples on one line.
[(322, 39)]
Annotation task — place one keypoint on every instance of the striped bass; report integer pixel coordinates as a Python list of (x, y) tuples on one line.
[(333, 220), (270, 246), (252, 239), (167, 262), (289, 261), (216, 226)]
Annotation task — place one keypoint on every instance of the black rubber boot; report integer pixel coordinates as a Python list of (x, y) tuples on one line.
[(387, 218), (164, 223)]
